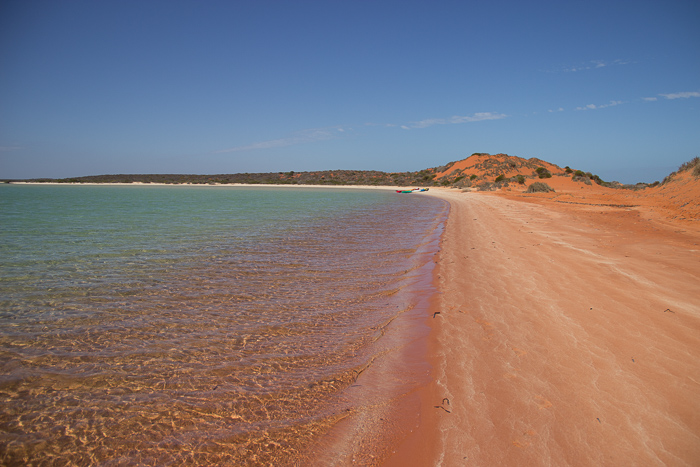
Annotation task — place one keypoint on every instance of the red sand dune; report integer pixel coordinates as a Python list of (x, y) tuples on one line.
[(485, 165), (676, 199)]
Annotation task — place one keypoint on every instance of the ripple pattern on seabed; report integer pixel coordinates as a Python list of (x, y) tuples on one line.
[(202, 347)]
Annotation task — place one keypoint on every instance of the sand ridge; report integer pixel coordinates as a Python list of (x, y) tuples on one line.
[(674, 203), (563, 338)]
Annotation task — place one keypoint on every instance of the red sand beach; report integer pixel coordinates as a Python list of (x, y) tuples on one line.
[(568, 330)]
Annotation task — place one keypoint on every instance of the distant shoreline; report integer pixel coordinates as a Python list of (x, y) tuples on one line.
[(217, 185)]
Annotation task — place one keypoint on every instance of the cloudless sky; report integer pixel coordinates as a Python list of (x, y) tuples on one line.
[(103, 87)]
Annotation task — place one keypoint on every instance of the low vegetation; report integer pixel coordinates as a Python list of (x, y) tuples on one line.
[(539, 187), (692, 166), (486, 186), (543, 173), (587, 177)]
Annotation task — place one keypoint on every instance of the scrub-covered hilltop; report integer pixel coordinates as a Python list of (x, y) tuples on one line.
[(487, 172), (481, 169), (676, 197)]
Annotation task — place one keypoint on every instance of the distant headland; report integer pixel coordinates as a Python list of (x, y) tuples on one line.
[(477, 170)]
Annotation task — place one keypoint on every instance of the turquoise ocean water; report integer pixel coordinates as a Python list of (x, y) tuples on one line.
[(169, 325)]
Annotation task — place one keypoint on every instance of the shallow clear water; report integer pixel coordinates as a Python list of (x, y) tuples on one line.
[(215, 325)]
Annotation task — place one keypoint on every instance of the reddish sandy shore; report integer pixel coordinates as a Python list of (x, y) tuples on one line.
[(568, 333)]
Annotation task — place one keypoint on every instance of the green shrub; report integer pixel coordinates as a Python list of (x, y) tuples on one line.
[(543, 173), (597, 179), (568, 169), (539, 187), (473, 176), (583, 179), (521, 179), (500, 178)]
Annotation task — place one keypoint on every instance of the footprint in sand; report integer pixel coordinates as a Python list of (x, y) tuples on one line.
[(486, 327), (522, 442), (543, 403)]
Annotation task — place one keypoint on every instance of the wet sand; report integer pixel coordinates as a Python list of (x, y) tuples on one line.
[(567, 334)]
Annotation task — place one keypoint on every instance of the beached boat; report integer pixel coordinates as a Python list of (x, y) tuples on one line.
[(415, 190)]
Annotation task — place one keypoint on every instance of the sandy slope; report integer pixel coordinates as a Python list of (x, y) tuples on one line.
[(567, 335), (676, 201)]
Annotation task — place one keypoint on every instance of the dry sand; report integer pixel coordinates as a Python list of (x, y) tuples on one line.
[(568, 334)]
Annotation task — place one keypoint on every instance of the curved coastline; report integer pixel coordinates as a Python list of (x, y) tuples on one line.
[(218, 185)]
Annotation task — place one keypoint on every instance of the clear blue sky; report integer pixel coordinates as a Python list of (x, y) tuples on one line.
[(95, 87)]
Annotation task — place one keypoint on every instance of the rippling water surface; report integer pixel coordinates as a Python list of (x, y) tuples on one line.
[(199, 325)]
